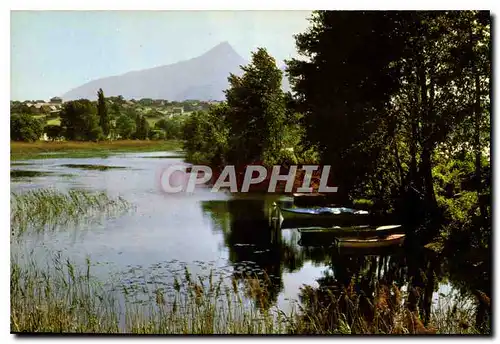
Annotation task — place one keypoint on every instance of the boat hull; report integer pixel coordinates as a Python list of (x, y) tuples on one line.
[(295, 220), (355, 243), (326, 237), (286, 218)]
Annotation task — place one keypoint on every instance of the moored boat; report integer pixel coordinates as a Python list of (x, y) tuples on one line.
[(289, 217), (351, 231), (374, 242), (322, 217), (326, 236)]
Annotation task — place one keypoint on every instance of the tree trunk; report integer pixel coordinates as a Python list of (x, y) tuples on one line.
[(426, 165), (398, 162), (426, 171), (477, 140)]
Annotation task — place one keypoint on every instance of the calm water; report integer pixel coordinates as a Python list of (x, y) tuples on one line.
[(201, 231)]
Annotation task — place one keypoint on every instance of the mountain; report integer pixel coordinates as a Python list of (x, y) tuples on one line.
[(203, 78)]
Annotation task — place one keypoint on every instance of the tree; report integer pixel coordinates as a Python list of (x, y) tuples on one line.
[(343, 85), (156, 134), (392, 101), (115, 110), (256, 112), (172, 127), (53, 131), (125, 127), (24, 127), (142, 127), (205, 136), (102, 112), (79, 120)]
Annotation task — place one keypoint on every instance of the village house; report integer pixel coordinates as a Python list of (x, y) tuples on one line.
[(178, 110)]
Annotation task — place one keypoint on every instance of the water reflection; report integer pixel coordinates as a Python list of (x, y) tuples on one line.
[(254, 248)]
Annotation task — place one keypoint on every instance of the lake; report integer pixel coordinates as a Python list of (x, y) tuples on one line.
[(203, 231)]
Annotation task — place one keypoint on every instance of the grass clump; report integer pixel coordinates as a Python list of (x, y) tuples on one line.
[(17, 174), (39, 210)]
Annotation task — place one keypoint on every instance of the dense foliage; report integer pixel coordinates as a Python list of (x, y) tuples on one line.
[(24, 127), (254, 123), (385, 99), (117, 118), (80, 121)]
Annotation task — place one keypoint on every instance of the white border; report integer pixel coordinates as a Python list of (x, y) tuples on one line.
[(182, 5), (248, 5)]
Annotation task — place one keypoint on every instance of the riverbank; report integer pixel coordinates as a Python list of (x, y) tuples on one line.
[(64, 300), (76, 149)]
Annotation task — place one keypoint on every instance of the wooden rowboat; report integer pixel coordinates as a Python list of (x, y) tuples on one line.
[(316, 237), (351, 231), (321, 217), (390, 240), (295, 217)]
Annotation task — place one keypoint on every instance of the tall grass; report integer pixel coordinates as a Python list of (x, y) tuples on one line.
[(39, 210), (389, 311), (62, 299), (65, 299)]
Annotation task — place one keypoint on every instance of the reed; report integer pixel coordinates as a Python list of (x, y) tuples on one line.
[(64, 299), (47, 209), (389, 312)]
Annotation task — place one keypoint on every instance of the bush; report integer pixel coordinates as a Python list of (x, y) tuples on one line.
[(156, 134), (53, 131), (25, 128)]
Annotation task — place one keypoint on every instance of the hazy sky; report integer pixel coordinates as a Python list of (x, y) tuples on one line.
[(53, 52)]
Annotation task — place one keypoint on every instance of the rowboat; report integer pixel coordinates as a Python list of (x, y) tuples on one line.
[(351, 231), (374, 242), (286, 217), (326, 236), (321, 217)]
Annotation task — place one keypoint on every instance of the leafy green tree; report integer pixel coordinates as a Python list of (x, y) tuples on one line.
[(395, 102), (24, 127), (256, 112), (19, 108), (53, 131), (102, 112), (79, 120), (343, 85), (171, 126), (205, 136), (115, 110), (146, 101), (142, 127), (131, 112), (156, 134), (125, 127)]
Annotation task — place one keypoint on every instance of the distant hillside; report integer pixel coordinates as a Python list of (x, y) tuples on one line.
[(201, 78)]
